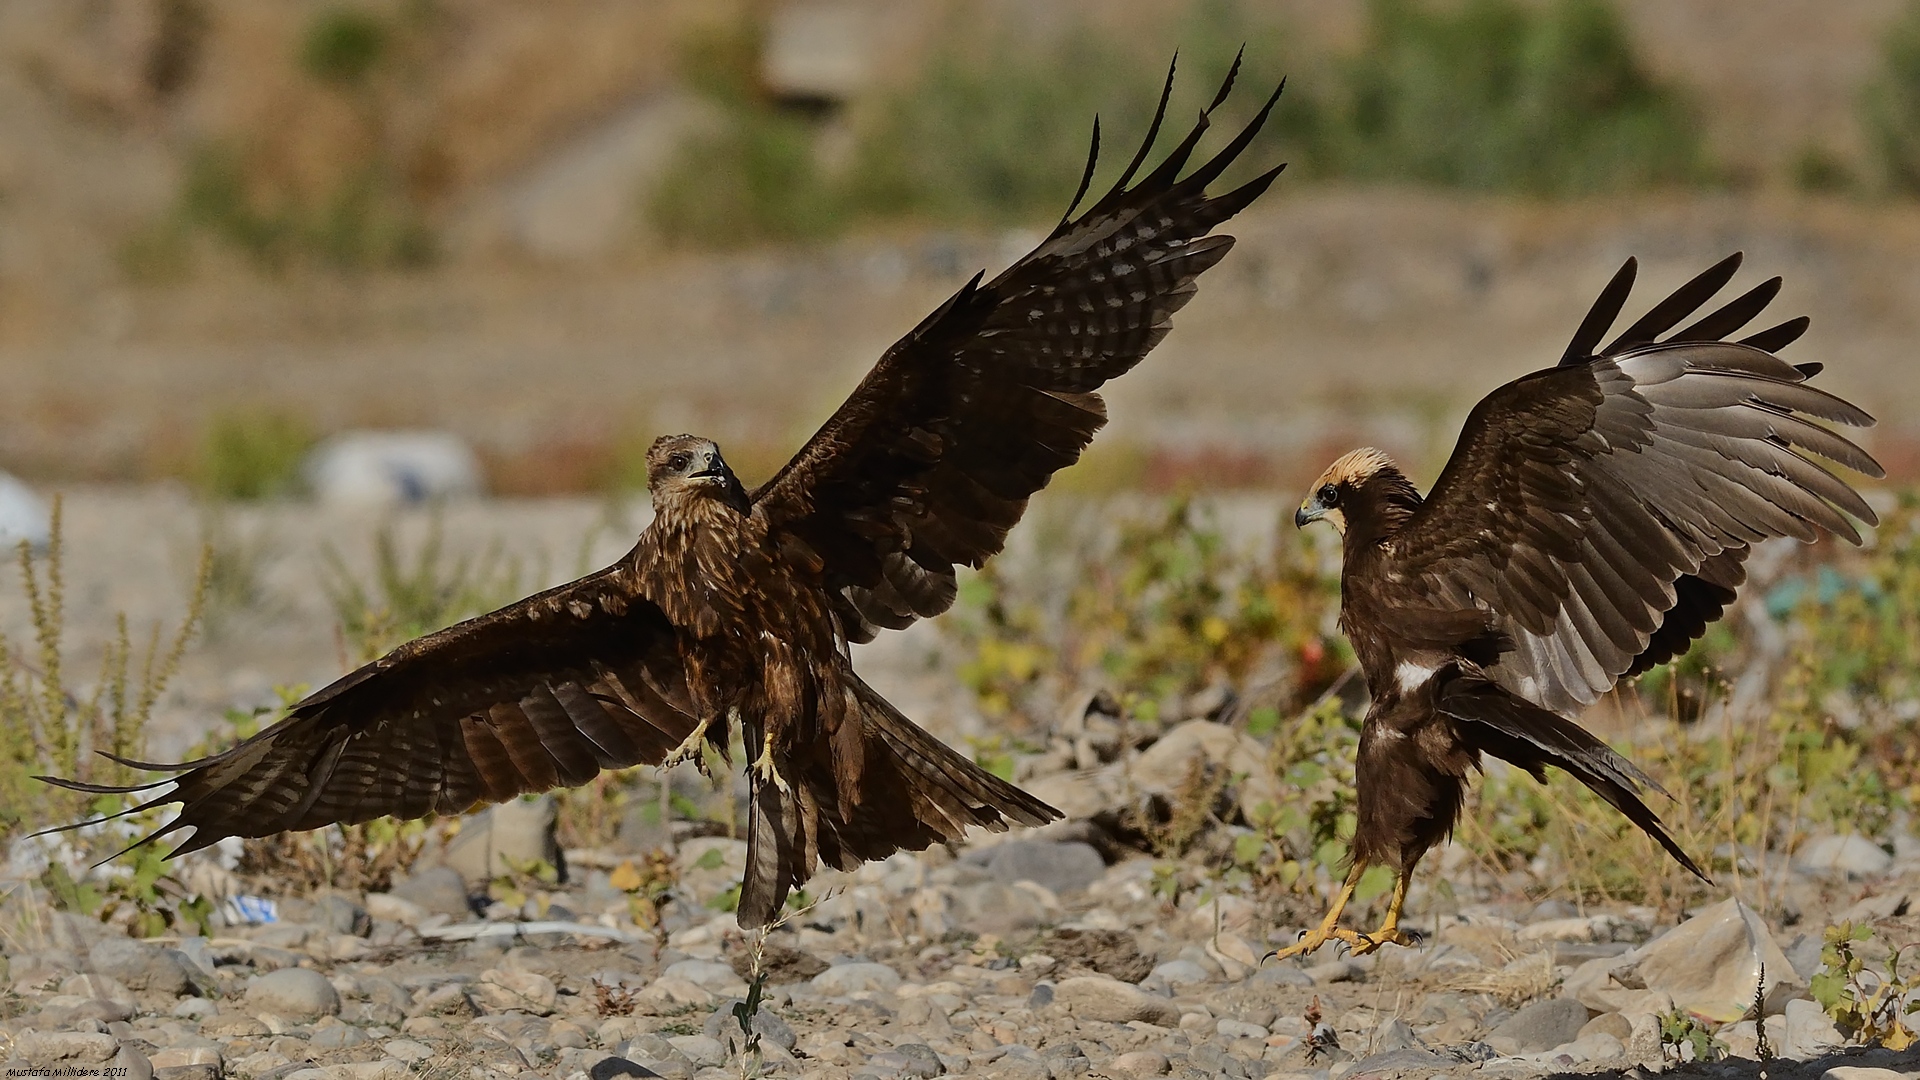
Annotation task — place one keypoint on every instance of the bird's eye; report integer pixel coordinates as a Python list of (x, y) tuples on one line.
[(679, 461), (1329, 495)]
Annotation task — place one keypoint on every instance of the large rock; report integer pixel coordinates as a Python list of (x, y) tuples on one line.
[(500, 838), (1165, 766), (1063, 868), (1542, 1025), (1851, 856), (1096, 997), (389, 468), (142, 967), (1709, 965), (298, 993), (1162, 770), (23, 516), (44, 1048)]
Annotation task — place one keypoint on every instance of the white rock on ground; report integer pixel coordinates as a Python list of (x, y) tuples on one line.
[(1850, 855), (301, 993), (24, 515), (1709, 965), (393, 468)]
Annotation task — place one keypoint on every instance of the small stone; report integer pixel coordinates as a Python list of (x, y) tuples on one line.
[(717, 977), (1096, 997), (1395, 1034), (142, 967), (407, 1050), (700, 1049), (524, 991), (1708, 965), (98, 986), (1239, 1029), (336, 1036), (1861, 1072), (841, 980), (1598, 1046), (188, 1062), (1612, 1024), (724, 1026), (1178, 973), (993, 907), (387, 907), (1064, 868), (1810, 1030), (1142, 1063), (1542, 1025), (436, 889), (343, 916), (194, 1008), (232, 1026), (1850, 855), (301, 993), (920, 1061)]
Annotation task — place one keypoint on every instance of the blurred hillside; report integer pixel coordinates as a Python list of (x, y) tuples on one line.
[(555, 228)]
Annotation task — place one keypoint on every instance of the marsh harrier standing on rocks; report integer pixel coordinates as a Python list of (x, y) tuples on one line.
[(739, 606), (1593, 519)]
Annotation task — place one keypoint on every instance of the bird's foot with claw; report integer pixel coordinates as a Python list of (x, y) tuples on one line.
[(691, 749), (1386, 935), (764, 768), (1313, 939)]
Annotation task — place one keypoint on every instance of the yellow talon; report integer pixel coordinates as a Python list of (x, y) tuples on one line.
[(764, 768), (1389, 932), (1329, 928)]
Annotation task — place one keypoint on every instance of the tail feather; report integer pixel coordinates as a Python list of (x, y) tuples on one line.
[(915, 791), (1498, 723)]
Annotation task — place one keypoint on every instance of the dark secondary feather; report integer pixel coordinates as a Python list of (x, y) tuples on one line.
[(544, 692), (1600, 511), (931, 461)]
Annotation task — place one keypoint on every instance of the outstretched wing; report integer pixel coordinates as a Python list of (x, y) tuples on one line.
[(931, 461), (1599, 511), (540, 694)]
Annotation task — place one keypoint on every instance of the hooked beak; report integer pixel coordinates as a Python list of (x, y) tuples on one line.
[(1309, 512)]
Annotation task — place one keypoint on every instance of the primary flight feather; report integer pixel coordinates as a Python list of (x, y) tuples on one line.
[(739, 607)]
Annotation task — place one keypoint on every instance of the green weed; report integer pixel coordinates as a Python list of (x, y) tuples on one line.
[(1890, 106), (49, 725), (403, 600), (250, 454), (1867, 1005)]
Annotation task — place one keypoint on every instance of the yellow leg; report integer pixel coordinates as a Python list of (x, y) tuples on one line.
[(690, 747), (1329, 928), (1390, 932)]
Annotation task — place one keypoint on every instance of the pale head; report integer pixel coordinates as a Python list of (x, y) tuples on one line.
[(686, 465), (1337, 486)]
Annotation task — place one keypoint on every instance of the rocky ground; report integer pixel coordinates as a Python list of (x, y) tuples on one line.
[(1051, 953), (1029, 958)]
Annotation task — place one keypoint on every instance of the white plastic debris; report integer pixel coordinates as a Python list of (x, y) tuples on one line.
[(393, 468), (23, 516)]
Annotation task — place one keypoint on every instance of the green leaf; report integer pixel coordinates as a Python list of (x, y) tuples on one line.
[(711, 860), (1262, 721), (1374, 882)]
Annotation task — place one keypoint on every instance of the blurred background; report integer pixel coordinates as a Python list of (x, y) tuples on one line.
[(230, 228), (275, 274)]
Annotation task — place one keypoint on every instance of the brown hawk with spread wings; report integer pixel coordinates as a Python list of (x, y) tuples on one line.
[(739, 607), (1593, 519)]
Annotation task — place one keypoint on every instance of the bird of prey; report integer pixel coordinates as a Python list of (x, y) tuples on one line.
[(1593, 519), (739, 607)]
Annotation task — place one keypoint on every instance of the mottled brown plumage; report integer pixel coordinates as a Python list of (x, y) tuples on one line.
[(741, 607), (1593, 519)]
